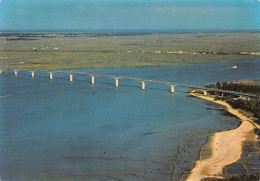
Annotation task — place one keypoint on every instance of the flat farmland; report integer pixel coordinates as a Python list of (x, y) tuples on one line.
[(85, 50)]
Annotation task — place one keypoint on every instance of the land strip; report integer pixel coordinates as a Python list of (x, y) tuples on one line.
[(226, 146), (81, 51)]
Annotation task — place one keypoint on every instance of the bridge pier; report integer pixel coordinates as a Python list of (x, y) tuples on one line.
[(71, 77), (143, 85), (172, 89), (15, 73), (32, 73), (204, 92), (51, 76), (116, 82), (92, 80)]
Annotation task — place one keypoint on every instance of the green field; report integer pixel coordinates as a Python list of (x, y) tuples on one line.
[(84, 51)]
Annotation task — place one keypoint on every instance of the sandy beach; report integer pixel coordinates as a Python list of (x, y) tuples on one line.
[(226, 146)]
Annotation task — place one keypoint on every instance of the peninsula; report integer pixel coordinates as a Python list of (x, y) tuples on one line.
[(226, 146)]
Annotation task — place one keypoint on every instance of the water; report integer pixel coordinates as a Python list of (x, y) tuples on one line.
[(56, 130)]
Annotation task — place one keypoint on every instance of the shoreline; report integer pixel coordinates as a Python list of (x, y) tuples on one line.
[(226, 146), (66, 66)]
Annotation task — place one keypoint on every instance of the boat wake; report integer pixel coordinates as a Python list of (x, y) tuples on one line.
[(5, 96)]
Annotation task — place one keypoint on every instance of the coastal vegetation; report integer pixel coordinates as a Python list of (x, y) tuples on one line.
[(117, 50), (239, 87), (251, 105), (226, 146)]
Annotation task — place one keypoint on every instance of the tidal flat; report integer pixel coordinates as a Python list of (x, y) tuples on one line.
[(95, 50)]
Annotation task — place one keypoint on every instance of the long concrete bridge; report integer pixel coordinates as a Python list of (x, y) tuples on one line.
[(142, 81)]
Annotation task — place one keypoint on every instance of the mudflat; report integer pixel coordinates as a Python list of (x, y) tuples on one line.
[(226, 146)]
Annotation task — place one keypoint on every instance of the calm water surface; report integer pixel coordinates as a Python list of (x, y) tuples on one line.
[(56, 130)]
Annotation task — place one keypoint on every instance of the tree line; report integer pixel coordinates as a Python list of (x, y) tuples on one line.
[(237, 87), (249, 104)]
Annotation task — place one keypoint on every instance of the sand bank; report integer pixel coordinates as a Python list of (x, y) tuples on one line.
[(226, 146)]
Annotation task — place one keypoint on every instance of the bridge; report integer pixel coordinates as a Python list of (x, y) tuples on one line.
[(142, 81)]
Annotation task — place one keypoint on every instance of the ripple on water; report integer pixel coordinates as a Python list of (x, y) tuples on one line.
[(56, 129)]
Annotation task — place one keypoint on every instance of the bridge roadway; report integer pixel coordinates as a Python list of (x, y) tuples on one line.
[(139, 80)]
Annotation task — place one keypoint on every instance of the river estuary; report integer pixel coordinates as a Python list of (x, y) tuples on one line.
[(61, 130)]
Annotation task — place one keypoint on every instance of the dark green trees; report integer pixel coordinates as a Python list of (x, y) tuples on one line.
[(249, 104), (238, 87)]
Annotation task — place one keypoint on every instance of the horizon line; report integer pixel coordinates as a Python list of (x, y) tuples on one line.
[(132, 30)]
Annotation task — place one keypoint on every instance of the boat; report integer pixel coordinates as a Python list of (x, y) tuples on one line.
[(234, 67)]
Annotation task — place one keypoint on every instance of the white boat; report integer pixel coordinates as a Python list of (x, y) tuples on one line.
[(234, 67)]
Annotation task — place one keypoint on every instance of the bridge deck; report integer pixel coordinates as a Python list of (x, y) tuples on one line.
[(145, 80)]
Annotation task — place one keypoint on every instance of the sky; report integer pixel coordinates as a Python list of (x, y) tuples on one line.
[(130, 14)]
